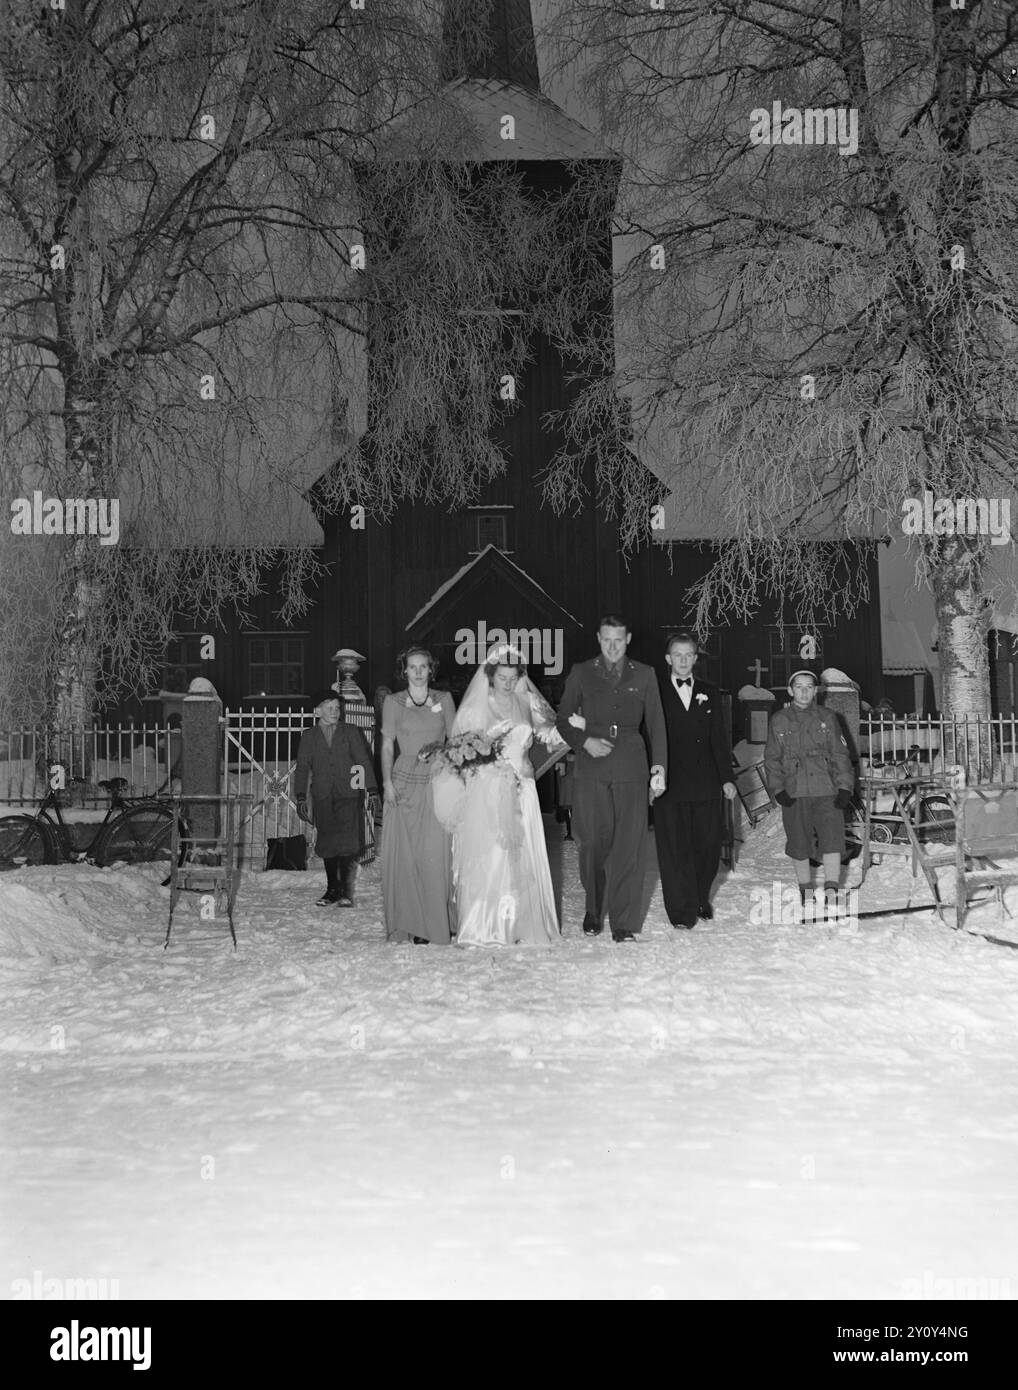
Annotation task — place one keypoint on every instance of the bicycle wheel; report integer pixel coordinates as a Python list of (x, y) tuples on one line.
[(881, 833), (139, 835), (24, 841)]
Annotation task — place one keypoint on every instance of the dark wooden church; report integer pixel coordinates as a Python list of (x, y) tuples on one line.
[(507, 562)]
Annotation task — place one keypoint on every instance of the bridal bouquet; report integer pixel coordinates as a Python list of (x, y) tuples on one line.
[(463, 754), (478, 811)]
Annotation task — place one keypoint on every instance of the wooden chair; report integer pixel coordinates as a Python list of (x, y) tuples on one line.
[(901, 830), (204, 856), (987, 830), (754, 793)]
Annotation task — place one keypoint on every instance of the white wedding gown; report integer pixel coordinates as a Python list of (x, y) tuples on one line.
[(504, 894)]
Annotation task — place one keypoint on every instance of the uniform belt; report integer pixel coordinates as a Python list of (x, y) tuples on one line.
[(611, 730)]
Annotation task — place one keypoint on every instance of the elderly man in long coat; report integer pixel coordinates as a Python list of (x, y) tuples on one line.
[(335, 757)]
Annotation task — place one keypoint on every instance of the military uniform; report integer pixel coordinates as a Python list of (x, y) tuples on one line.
[(610, 793), (807, 757)]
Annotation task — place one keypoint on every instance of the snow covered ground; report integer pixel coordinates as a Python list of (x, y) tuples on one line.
[(747, 1110)]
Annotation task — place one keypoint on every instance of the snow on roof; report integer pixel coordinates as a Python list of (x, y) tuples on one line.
[(542, 131), (450, 583), (906, 655)]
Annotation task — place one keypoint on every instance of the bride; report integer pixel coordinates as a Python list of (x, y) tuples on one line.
[(504, 895)]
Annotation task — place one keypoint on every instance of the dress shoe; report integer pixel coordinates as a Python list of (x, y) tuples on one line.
[(687, 926), (330, 896), (705, 912), (623, 936), (421, 940), (592, 927)]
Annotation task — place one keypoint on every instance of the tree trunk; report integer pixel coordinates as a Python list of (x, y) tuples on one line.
[(80, 596), (962, 630), (77, 668)]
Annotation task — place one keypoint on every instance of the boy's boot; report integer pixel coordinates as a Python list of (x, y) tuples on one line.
[(812, 905), (832, 902), (332, 886), (347, 879)]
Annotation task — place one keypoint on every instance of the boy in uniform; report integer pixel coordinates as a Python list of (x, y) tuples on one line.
[(810, 775)]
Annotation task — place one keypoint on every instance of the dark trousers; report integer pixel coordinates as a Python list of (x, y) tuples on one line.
[(688, 838), (339, 872), (610, 823)]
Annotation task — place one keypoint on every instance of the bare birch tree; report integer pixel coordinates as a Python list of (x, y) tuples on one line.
[(182, 290), (812, 330)]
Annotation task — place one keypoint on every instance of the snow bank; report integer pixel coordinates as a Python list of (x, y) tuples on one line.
[(64, 912)]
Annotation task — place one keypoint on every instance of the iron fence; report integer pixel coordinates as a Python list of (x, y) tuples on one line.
[(259, 760), (985, 747), (144, 755)]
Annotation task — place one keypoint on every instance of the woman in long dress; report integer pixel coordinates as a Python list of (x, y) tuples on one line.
[(416, 889), (503, 887)]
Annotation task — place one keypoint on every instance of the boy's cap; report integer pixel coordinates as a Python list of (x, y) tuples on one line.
[(812, 675), (320, 697)]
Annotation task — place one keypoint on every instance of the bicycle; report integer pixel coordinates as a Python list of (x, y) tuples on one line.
[(930, 811), (134, 830)]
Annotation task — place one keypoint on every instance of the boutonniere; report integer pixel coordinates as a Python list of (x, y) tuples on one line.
[(701, 698)]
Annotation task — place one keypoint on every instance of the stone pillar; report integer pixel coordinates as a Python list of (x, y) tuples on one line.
[(842, 698), (201, 735)]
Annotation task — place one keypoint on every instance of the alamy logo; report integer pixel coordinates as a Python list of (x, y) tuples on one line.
[(76, 1343), (40, 1287), (789, 125), (71, 516), (781, 905), (957, 516), (931, 1286), (537, 646)]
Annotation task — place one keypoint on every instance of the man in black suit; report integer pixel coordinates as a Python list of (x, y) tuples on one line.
[(687, 818)]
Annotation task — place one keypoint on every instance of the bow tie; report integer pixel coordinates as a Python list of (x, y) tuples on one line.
[(688, 681)]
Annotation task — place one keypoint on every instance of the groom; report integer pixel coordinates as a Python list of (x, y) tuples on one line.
[(687, 819), (604, 704)]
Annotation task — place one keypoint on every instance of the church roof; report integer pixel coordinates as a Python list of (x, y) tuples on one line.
[(542, 129), (478, 133), (489, 559)]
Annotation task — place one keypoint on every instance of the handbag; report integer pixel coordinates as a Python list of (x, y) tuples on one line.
[(287, 852)]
